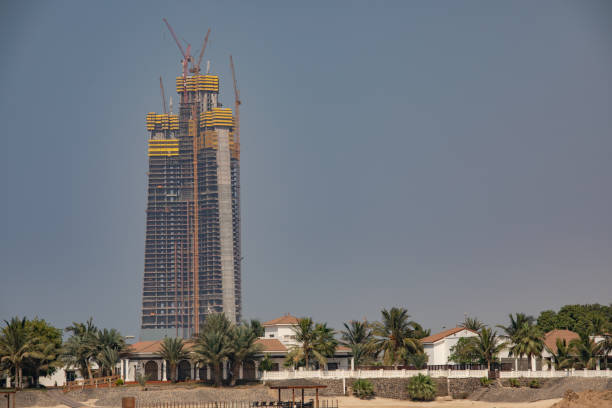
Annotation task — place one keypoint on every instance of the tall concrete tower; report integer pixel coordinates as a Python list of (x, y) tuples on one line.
[(192, 243)]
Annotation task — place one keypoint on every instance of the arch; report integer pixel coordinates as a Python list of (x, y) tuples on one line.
[(150, 370), (184, 370)]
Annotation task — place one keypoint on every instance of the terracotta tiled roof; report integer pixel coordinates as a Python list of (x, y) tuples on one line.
[(343, 349), (151, 347), (270, 345), (439, 336), (550, 338), (286, 319)]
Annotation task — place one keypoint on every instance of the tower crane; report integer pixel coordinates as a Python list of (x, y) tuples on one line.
[(186, 54), (163, 96), (196, 67), (237, 101)]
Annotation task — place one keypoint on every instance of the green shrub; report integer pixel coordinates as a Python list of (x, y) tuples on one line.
[(514, 382), (119, 382), (421, 388), (363, 389), (266, 363), (485, 381), (534, 384), (418, 360)]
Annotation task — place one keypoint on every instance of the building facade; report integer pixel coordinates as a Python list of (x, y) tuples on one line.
[(192, 241)]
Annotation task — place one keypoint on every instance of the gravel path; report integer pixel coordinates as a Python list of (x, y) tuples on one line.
[(186, 394), (36, 398), (554, 389)]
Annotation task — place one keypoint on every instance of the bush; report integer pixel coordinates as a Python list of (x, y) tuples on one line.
[(419, 360), (363, 389), (534, 384), (485, 381), (514, 382), (421, 388), (119, 382)]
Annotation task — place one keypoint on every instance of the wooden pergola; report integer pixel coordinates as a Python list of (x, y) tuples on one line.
[(297, 384)]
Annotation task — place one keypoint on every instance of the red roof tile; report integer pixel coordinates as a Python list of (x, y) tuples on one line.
[(550, 338), (286, 320), (439, 336), (270, 345)]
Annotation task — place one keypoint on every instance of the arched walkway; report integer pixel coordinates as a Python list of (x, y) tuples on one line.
[(184, 370), (150, 369)]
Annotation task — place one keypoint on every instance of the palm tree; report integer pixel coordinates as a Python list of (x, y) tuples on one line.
[(359, 338), (243, 348), (15, 346), (213, 344), (487, 345), (528, 341), (562, 358), (81, 348), (419, 332), (516, 323), (315, 342), (46, 350), (587, 351), (109, 343), (108, 358), (606, 348), (257, 327), (472, 323), (172, 350), (395, 335)]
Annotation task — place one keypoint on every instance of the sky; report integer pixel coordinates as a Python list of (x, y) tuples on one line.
[(449, 157)]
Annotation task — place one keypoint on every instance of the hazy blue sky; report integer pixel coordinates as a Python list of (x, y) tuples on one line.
[(450, 157)]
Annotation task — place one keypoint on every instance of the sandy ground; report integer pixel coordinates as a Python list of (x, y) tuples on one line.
[(351, 402)]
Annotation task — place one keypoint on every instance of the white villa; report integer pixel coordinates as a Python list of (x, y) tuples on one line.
[(277, 340), (438, 346)]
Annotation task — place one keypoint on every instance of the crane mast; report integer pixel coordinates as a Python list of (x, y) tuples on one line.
[(163, 96), (237, 101)]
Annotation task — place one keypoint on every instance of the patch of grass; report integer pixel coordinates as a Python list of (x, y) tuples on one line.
[(514, 382), (485, 381), (534, 384)]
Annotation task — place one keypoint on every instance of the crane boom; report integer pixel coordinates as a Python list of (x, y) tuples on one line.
[(175, 37), (163, 95), (197, 67), (237, 101)]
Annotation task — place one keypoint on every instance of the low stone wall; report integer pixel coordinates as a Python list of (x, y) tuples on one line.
[(395, 387), (524, 382), (462, 387)]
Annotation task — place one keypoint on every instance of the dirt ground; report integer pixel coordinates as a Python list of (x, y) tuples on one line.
[(586, 399), (351, 402)]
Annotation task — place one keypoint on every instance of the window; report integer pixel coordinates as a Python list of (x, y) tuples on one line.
[(332, 366)]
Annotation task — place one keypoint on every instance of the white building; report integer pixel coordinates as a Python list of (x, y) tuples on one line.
[(278, 339), (438, 346)]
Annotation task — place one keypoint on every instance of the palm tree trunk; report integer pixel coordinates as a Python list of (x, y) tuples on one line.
[(173, 372), (217, 373), (88, 370), (235, 373)]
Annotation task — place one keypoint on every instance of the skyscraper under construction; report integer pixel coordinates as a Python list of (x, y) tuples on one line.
[(192, 243)]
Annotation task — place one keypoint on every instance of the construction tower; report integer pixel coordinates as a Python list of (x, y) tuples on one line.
[(192, 243)]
